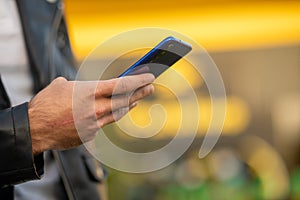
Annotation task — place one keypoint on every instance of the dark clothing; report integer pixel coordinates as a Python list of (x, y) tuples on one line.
[(49, 56)]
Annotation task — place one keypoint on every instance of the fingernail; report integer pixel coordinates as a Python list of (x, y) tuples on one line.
[(133, 105)]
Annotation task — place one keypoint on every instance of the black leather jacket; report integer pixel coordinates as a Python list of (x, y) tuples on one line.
[(50, 56)]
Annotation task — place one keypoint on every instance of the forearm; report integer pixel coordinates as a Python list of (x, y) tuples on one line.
[(17, 161)]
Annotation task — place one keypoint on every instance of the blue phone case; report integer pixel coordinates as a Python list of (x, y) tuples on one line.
[(160, 58)]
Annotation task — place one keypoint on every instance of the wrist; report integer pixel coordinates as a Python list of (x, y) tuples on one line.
[(37, 141)]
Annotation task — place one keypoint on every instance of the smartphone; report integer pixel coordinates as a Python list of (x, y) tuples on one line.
[(160, 58)]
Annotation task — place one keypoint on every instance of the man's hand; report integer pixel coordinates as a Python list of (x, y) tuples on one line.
[(96, 104)]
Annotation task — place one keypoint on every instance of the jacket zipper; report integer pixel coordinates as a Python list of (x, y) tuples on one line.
[(63, 176)]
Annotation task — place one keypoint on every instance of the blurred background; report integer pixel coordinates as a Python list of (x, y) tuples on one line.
[(256, 46)]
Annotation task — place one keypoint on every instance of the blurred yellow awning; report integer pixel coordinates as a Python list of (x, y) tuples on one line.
[(217, 25)]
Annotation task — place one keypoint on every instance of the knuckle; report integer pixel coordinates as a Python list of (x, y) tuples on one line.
[(101, 86), (101, 110), (60, 82), (147, 90), (60, 79), (120, 113), (100, 123), (105, 87)]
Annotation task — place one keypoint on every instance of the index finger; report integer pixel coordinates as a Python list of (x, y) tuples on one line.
[(124, 84)]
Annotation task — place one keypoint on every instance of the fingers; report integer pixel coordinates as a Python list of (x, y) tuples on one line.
[(117, 102), (115, 116), (141, 93), (112, 97), (123, 85)]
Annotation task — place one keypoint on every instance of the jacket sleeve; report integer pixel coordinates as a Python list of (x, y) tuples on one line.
[(17, 163)]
